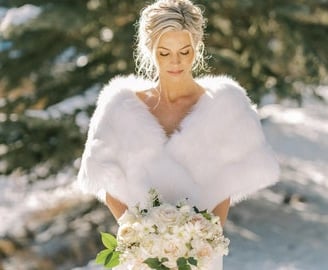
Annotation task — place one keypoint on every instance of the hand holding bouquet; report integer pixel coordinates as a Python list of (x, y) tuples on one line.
[(163, 237)]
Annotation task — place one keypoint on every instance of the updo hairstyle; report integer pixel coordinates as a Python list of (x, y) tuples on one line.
[(163, 16)]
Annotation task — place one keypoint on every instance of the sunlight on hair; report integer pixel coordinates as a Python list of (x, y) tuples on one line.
[(163, 16)]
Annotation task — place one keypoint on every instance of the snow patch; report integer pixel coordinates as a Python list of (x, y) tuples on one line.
[(20, 15), (70, 106), (79, 102), (3, 12)]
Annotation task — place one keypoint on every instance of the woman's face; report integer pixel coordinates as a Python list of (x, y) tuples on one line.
[(175, 54)]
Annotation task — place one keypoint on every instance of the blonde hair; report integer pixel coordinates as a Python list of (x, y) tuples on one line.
[(163, 16)]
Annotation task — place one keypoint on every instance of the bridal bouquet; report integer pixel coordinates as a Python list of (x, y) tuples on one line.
[(163, 237)]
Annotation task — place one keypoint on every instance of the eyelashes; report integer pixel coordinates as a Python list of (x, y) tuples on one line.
[(166, 54), (185, 53)]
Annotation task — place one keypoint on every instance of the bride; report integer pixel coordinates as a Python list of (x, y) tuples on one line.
[(195, 138)]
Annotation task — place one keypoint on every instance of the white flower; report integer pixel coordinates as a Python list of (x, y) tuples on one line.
[(174, 247), (127, 218), (127, 234), (216, 220), (151, 245), (201, 249), (221, 245), (164, 214), (185, 209), (169, 231), (181, 233)]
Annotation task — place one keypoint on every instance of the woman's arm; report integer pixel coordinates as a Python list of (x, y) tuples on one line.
[(115, 206), (222, 210)]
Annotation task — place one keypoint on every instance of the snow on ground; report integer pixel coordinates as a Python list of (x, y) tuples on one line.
[(286, 227), (19, 199)]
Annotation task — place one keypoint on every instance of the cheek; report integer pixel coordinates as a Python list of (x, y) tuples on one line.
[(159, 64), (193, 56), (162, 61), (190, 60)]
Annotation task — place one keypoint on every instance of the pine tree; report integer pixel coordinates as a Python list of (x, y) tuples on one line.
[(270, 45), (73, 47)]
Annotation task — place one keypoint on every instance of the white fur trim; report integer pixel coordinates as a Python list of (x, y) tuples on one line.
[(219, 152)]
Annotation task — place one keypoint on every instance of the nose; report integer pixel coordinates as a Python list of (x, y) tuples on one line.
[(175, 59)]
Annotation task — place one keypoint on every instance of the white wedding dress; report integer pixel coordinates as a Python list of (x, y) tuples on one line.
[(218, 152)]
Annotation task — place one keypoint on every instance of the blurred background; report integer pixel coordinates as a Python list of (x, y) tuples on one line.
[(55, 56)]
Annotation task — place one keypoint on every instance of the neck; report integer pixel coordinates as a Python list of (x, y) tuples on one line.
[(171, 91)]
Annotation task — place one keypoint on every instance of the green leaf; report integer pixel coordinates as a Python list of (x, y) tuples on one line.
[(143, 211), (109, 241), (157, 264), (153, 263), (196, 209), (102, 255), (184, 267), (164, 260), (192, 261), (207, 216), (156, 202), (181, 261), (204, 213), (112, 260)]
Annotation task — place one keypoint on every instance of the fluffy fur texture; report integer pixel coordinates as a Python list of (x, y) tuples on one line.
[(219, 151)]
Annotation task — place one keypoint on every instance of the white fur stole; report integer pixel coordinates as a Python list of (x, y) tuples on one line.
[(219, 151)]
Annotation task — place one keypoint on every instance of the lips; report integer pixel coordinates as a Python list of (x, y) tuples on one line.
[(175, 72)]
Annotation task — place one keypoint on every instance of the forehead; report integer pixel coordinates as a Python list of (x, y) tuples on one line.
[(175, 39)]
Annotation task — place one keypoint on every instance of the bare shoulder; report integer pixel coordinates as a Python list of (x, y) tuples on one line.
[(148, 96)]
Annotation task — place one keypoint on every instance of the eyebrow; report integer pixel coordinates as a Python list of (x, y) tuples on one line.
[(189, 45)]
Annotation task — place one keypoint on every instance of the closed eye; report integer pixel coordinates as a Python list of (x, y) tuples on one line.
[(185, 53), (163, 54)]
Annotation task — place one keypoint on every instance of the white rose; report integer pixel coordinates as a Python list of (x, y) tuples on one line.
[(191, 229), (174, 247), (221, 245), (145, 227), (185, 209), (216, 220), (165, 213), (139, 266), (200, 226), (127, 218), (147, 246), (127, 234), (172, 250), (158, 247), (181, 233), (201, 249), (195, 218), (206, 228), (129, 254)]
